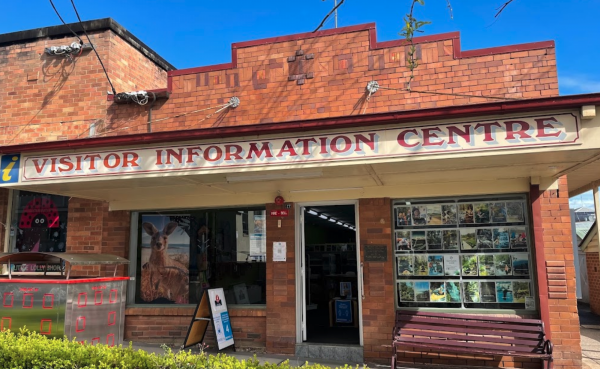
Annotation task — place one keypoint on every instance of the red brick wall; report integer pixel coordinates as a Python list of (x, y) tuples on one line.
[(48, 98), (281, 285), (92, 228), (560, 270), (170, 325), (593, 272), (130, 70), (378, 305), (343, 64)]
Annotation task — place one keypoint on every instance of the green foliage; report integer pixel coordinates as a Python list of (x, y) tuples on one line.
[(29, 350), (411, 26)]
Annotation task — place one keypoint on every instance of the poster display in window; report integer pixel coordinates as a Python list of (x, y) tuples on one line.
[(165, 259), (39, 225), (463, 253)]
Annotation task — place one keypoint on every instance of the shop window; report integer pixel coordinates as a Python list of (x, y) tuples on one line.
[(181, 254), (38, 224), (464, 253)]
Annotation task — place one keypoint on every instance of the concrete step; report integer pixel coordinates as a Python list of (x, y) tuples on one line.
[(350, 354)]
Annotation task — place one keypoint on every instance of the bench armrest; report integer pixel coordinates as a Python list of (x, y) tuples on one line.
[(548, 347)]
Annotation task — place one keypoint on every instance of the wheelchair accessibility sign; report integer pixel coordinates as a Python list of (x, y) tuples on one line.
[(9, 168)]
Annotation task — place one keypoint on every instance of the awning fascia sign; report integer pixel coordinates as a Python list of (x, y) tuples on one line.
[(459, 138)]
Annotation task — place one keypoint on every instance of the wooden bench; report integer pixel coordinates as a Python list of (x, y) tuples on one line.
[(470, 334)]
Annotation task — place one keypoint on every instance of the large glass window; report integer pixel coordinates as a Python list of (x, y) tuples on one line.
[(182, 253), (39, 224), (464, 253)]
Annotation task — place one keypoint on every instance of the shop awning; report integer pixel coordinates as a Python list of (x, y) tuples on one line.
[(502, 150)]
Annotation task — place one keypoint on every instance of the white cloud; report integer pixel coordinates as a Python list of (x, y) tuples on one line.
[(585, 199), (579, 84)]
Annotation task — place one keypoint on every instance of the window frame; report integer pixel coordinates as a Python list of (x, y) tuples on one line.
[(133, 256), (490, 198)]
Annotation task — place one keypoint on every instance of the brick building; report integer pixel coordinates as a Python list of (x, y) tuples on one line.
[(430, 199)]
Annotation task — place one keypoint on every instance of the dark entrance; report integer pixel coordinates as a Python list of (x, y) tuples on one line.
[(332, 314)]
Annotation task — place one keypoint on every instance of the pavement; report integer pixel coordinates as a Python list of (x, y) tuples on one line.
[(262, 357), (590, 346), (590, 337)]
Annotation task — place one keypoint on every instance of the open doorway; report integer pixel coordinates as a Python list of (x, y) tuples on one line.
[(331, 275)]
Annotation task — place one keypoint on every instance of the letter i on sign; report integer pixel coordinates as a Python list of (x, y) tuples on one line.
[(9, 166)]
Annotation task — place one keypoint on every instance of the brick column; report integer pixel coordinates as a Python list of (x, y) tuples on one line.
[(281, 285), (116, 228), (556, 276), (378, 306), (91, 228), (593, 271), (4, 201)]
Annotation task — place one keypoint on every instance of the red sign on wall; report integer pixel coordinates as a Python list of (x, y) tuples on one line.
[(280, 213)]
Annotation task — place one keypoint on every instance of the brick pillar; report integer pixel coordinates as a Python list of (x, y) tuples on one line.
[(378, 306), (556, 277), (593, 271), (281, 285), (91, 228), (4, 201), (115, 238)]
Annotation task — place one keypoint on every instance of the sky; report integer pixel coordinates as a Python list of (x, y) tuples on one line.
[(197, 33)]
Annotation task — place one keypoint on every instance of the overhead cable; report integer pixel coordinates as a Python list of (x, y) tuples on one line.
[(327, 16), (65, 23), (94, 48)]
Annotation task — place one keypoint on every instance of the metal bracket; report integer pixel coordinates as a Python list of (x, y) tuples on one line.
[(372, 87), (234, 102)]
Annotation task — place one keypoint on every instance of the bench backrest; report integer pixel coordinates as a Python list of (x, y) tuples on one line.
[(508, 334)]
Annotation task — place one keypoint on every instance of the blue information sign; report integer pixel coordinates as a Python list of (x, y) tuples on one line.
[(343, 311)]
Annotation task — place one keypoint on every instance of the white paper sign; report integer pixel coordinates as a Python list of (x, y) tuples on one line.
[(279, 251), (220, 315)]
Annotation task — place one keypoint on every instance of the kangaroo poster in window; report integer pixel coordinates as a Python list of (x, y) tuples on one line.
[(165, 247), (220, 315)]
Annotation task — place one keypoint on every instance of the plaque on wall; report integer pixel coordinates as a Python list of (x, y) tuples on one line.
[(376, 253)]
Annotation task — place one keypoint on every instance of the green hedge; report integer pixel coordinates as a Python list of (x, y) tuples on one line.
[(27, 350)]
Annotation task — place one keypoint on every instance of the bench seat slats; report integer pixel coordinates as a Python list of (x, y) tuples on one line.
[(465, 323), (470, 317), (453, 344), (473, 350), (470, 334), (425, 327), (468, 338)]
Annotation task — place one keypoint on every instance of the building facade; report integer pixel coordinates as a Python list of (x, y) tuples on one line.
[(306, 180)]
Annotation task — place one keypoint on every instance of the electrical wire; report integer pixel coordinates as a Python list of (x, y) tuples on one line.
[(327, 16), (219, 107), (449, 94), (94, 48), (65, 23)]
